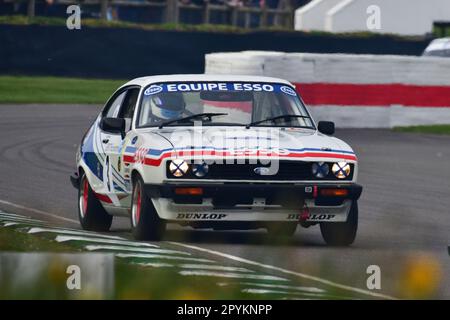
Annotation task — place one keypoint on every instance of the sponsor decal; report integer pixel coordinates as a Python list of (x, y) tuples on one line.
[(321, 217), (133, 141), (153, 89), (140, 155), (201, 216), (218, 86), (288, 90), (258, 151), (295, 216)]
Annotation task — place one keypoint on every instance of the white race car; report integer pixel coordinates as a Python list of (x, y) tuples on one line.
[(221, 152)]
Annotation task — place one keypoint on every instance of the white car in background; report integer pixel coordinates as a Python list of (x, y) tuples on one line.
[(221, 152), (438, 48)]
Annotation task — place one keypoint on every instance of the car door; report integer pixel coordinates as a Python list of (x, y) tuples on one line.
[(115, 183)]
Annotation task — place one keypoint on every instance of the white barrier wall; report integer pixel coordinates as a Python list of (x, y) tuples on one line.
[(370, 91), (312, 15), (407, 17)]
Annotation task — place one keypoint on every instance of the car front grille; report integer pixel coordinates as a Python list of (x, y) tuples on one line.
[(287, 171)]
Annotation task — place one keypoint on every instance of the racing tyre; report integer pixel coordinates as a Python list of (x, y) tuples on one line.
[(145, 222), (282, 229), (92, 215), (341, 233)]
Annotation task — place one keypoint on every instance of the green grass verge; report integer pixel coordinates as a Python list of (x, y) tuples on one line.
[(432, 129), (23, 89), (12, 240)]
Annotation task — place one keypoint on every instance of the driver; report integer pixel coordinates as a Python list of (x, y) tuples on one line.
[(166, 106)]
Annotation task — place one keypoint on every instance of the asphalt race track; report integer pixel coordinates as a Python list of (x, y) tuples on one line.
[(404, 209)]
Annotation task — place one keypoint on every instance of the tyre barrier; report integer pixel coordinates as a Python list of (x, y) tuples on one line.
[(354, 91)]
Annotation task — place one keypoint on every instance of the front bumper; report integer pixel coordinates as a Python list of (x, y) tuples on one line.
[(254, 201)]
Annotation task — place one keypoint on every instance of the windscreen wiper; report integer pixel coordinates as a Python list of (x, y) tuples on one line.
[(207, 115), (286, 116)]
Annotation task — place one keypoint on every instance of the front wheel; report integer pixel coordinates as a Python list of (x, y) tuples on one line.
[(92, 215), (145, 222), (341, 233)]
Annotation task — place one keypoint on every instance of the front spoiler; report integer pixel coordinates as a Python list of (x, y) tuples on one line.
[(304, 191)]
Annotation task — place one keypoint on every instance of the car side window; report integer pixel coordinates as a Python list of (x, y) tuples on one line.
[(112, 110), (128, 106), (129, 103)]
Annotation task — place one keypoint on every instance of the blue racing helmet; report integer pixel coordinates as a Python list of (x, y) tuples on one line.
[(167, 105)]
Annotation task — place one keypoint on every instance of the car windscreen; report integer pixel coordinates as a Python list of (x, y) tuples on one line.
[(241, 103)]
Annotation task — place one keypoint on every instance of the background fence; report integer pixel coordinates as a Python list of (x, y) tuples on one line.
[(243, 13)]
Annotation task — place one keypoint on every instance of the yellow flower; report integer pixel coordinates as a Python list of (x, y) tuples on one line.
[(421, 277)]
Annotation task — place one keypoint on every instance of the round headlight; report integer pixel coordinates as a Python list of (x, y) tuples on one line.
[(178, 167), (320, 169), (200, 169), (341, 170)]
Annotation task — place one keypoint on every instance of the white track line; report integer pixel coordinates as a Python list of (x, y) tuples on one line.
[(18, 206), (276, 286), (285, 271), (287, 293), (7, 214), (73, 232), (214, 267), (160, 256), (13, 216), (9, 224), (208, 273), (132, 249), (295, 294), (23, 221), (154, 264), (102, 240)]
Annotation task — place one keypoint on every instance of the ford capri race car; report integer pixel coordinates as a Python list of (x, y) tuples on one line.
[(221, 152)]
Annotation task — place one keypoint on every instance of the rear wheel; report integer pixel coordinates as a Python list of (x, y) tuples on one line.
[(282, 229), (91, 213), (341, 233), (145, 222)]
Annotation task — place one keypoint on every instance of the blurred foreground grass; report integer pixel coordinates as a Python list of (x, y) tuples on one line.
[(131, 281), (417, 276), (23, 89)]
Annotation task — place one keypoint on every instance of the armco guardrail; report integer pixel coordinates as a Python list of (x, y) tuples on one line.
[(366, 91)]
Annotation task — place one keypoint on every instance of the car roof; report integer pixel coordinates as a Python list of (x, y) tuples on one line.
[(145, 81)]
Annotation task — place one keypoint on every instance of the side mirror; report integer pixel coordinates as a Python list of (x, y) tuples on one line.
[(113, 125), (326, 127)]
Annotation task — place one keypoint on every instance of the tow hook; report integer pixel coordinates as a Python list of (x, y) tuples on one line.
[(304, 216)]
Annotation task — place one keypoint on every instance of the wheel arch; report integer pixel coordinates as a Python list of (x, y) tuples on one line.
[(135, 174)]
